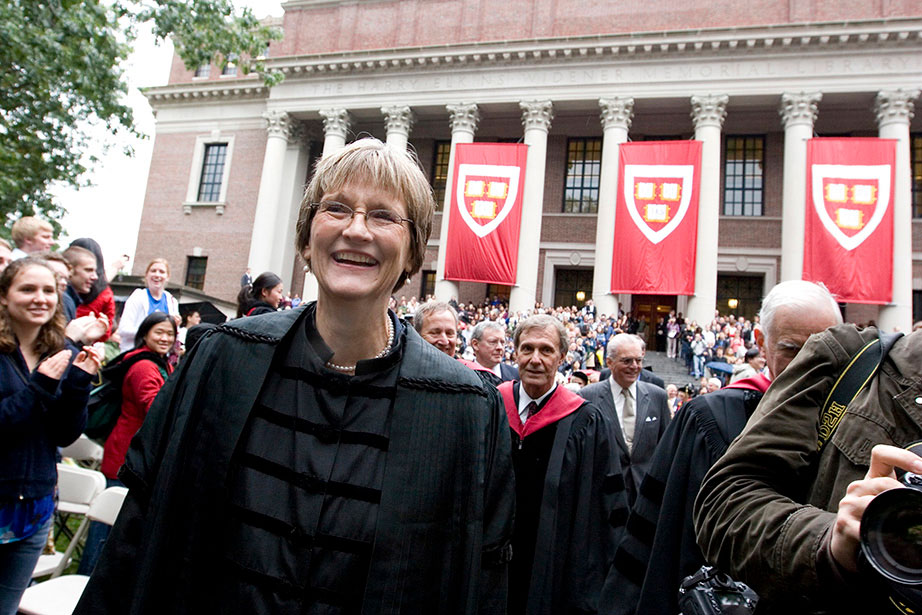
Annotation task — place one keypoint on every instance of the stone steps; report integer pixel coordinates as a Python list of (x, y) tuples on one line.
[(670, 370)]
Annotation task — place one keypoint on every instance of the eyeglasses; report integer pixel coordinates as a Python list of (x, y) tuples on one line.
[(376, 219), (626, 361)]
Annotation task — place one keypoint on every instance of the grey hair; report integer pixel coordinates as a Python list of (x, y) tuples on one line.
[(541, 321), (392, 170), (618, 341), (798, 295), (481, 327), (428, 309)]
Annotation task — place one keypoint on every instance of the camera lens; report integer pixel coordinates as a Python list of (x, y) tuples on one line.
[(891, 535)]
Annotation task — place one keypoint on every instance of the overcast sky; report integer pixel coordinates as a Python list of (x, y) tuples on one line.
[(110, 210)]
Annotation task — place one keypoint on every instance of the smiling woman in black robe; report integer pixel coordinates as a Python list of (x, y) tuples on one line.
[(323, 459)]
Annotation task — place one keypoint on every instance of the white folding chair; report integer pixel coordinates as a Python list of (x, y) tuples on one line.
[(59, 596), (84, 451), (77, 488)]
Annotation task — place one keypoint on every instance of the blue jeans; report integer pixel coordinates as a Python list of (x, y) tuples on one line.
[(96, 539), (699, 365), (17, 561)]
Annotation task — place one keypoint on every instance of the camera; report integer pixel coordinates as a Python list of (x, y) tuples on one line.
[(711, 592), (891, 538)]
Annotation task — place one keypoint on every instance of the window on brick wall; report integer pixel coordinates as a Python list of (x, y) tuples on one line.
[(230, 68), (203, 71), (195, 271), (584, 166), (209, 187), (440, 172), (915, 156), (427, 287), (744, 175)]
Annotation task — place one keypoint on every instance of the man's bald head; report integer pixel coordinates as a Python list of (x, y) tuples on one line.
[(791, 312)]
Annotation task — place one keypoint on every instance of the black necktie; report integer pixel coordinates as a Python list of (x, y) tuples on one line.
[(531, 410)]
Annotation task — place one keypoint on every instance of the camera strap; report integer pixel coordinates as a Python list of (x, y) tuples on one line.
[(859, 371)]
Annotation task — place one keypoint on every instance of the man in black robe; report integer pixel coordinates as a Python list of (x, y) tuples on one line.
[(659, 549), (570, 501)]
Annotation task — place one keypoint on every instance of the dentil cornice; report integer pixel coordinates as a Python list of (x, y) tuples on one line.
[(710, 43)]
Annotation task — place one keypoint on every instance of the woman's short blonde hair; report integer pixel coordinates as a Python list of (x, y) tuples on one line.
[(158, 261), (393, 170)]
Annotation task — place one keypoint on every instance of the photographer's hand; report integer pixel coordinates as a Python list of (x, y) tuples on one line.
[(880, 478)]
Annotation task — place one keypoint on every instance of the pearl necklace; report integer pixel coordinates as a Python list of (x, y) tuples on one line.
[(387, 347)]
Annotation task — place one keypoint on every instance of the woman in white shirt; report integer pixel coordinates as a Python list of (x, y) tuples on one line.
[(143, 301)]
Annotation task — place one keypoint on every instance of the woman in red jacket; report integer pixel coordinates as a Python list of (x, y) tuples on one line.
[(141, 382), (140, 386)]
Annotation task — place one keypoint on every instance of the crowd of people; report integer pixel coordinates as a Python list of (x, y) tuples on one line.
[(372, 453)]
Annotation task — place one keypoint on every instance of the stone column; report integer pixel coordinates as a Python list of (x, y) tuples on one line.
[(708, 113), (464, 118), (398, 121), (269, 218), (536, 117), (336, 123), (297, 159), (798, 113), (894, 110), (617, 114)]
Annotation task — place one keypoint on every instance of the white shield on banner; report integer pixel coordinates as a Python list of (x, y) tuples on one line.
[(486, 192), (681, 174), (823, 202)]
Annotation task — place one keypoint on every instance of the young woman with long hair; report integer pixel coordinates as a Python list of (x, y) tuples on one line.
[(44, 385)]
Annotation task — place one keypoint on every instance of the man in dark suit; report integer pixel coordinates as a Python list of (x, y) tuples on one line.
[(488, 340), (639, 411)]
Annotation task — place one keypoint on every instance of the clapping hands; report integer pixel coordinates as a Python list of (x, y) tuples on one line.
[(87, 329)]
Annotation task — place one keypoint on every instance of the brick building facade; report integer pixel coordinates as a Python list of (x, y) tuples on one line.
[(752, 79)]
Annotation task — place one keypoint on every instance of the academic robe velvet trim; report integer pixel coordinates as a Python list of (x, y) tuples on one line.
[(561, 403), (165, 551), (477, 367), (759, 382)]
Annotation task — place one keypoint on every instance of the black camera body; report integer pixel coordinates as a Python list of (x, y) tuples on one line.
[(891, 539), (711, 592)]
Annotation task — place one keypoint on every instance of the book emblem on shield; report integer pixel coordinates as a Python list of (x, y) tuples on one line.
[(657, 197), (850, 200), (485, 195)]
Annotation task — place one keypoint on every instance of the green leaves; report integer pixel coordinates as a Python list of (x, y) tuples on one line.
[(60, 73)]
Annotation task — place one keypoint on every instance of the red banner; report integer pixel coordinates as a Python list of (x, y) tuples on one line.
[(488, 180), (848, 243), (656, 218)]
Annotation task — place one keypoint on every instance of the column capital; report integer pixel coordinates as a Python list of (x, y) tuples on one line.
[(463, 117), (398, 118), (709, 110), (336, 122), (278, 124), (537, 114), (617, 112), (895, 106), (799, 108)]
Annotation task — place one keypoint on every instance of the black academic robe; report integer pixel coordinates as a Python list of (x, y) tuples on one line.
[(445, 513), (570, 504), (658, 549)]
